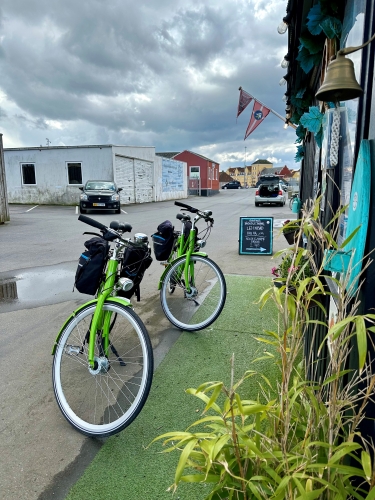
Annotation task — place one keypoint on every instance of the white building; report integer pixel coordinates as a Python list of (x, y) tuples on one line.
[(52, 175)]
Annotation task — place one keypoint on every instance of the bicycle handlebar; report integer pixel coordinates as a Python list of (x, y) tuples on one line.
[(109, 234), (187, 207), (92, 222), (204, 215)]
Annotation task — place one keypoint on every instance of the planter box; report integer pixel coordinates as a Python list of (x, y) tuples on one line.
[(291, 236)]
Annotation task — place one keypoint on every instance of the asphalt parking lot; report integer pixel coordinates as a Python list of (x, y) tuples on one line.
[(39, 251)]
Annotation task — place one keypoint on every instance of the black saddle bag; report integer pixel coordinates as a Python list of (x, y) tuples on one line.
[(134, 264), (91, 265), (163, 240)]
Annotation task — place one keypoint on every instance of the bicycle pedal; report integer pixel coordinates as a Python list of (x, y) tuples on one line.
[(164, 263)]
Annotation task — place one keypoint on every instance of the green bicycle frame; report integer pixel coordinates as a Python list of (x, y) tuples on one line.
[(101, 320), (184, 248)]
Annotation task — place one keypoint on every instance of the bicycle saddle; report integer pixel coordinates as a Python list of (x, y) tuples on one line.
[(183, 217), (120, 226)]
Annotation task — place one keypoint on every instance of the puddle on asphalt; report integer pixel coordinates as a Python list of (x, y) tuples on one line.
[(38, 286)]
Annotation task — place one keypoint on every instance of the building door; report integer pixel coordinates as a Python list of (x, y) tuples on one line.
[(143, 176), (136, 178), (124, 178)]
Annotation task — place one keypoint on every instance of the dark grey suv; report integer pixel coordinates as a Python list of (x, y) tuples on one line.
[(100, 195)]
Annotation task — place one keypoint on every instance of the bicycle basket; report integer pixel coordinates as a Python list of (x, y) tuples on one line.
[(134, 264), (91, 265)]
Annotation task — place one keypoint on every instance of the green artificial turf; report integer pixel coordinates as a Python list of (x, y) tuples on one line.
[(126, 467)]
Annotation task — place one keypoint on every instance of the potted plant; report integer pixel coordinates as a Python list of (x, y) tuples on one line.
[(291, 232), (294, 266)]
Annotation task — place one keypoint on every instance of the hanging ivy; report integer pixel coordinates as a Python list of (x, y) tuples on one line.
[(322, 22), (300, 133), (300, 154), (313, 121), (319, 21)]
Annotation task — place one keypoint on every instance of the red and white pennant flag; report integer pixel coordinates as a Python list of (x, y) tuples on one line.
[(244, 100), (257, 116)]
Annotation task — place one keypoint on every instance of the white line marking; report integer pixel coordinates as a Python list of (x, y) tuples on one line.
[(76, 210), (32, 208), (123, 211)]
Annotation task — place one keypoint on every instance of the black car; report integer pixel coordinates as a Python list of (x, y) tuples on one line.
[(232, 185), (100, 195)]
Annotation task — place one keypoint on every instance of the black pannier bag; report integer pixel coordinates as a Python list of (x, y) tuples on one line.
[(134, 264), (163, 240), (91, 266)]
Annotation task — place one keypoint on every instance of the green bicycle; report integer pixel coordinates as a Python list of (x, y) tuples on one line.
[(103, 360), (192, 286)]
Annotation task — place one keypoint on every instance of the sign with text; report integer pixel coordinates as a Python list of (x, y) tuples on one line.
[(256, 235)]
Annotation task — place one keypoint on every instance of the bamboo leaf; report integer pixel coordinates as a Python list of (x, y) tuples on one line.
[(204, 398), (215, 394), (183, 459), (350, 237), (311, 495), (220, 443), (198, 478), (346, 448), (336, 376), (366, 464), (361, 340), (371, 495)]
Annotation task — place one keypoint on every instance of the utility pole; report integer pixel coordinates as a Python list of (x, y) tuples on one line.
[(245, 167), (4, 208)]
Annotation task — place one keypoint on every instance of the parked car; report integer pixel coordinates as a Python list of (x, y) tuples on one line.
[(100, 195), (270, 190), (232, 185)]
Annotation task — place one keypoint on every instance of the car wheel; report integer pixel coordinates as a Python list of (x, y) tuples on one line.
[(118, 211)]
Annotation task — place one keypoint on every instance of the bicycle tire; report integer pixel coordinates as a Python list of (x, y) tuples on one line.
[(210, 289), (103, 403)]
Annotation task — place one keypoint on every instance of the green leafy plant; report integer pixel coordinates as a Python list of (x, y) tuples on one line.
[(299, 439), (292, 267), (313, 122)]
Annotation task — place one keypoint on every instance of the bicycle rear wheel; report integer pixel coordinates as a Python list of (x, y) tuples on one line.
[(102, 401), (201, 307)]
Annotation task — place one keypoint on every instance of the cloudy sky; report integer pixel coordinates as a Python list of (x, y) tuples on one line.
[(161, 73)]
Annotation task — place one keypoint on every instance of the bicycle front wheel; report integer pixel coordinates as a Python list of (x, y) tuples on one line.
[(198, 308), (102, 400)]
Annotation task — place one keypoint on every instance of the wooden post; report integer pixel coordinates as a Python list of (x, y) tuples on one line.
[(4, 209)]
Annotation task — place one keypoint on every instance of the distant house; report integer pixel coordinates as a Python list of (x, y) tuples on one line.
[(202, 173), (53, 175), (273, 170), (248, 175), (224, 178)]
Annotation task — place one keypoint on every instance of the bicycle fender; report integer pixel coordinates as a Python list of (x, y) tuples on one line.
[(118, 300), (201, 254)]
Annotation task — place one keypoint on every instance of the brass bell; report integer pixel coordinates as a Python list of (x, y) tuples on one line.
[(339, 83)]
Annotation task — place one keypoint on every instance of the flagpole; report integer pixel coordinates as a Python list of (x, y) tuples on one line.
[(272, 111)]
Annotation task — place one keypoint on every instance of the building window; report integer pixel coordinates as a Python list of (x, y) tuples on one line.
[(74, 173), (194, 172), (28, 173)]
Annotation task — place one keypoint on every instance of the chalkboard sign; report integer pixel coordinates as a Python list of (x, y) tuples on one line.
[(256, 235)]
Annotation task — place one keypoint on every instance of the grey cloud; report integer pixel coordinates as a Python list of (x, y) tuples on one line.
[(123, 72)]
